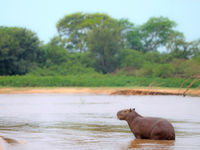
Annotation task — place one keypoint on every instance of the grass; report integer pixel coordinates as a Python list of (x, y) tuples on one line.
[(91, 81)]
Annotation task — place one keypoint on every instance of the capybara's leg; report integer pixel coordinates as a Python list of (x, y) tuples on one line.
[(138, 137), (156, 134), (159, 133)]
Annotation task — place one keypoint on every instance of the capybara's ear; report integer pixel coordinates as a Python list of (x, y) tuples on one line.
[(130, 110)]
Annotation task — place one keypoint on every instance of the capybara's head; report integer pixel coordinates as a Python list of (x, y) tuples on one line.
[(123, 114)]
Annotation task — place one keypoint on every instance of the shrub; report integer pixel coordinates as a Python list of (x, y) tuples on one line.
[(163, 71)]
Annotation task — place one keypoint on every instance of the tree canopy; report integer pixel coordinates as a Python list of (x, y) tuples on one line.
[(18, 50), (151, 35), (73, 28), (95, 43), (104, 43)]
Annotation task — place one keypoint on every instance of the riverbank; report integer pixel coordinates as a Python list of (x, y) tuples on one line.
[(101, 90)]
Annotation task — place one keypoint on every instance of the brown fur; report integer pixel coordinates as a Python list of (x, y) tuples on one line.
[(147, 127)]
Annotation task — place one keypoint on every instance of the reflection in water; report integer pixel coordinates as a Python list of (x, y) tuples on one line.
[(87, 122), (151, 144)]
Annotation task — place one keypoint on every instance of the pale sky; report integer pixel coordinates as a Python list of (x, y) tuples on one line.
[(41, 16)]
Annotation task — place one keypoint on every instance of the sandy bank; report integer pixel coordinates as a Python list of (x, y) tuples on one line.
[(57, 90), (113, 91)]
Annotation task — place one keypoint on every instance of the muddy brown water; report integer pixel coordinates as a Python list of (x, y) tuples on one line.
[(89, 122)]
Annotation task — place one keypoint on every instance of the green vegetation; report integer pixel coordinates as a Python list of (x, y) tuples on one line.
[(98, 50), (19, 49), (91, 81)]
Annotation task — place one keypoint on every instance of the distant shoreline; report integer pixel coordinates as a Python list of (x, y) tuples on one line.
[(99, 91)]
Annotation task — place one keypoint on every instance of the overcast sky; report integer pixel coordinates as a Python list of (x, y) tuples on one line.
[(41, 16)]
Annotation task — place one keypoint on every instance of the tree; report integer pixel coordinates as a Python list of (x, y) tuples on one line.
[(151, 35), (56, 60), (134, 40), (19, 49), (53, 55), (153, 57), (73, 28), (57, 41), (155, 32), (195, 48), (129, 58), (180, 48), (104, 43)]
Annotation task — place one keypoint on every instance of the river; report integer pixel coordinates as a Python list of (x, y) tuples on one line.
[(88, 122)]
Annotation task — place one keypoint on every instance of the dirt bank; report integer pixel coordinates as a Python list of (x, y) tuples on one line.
[(112, 91), (156, 92)]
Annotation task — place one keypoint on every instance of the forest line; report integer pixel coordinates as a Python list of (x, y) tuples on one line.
[(96, 43)]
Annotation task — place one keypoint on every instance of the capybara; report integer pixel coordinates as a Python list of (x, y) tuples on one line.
[(147, 127)]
